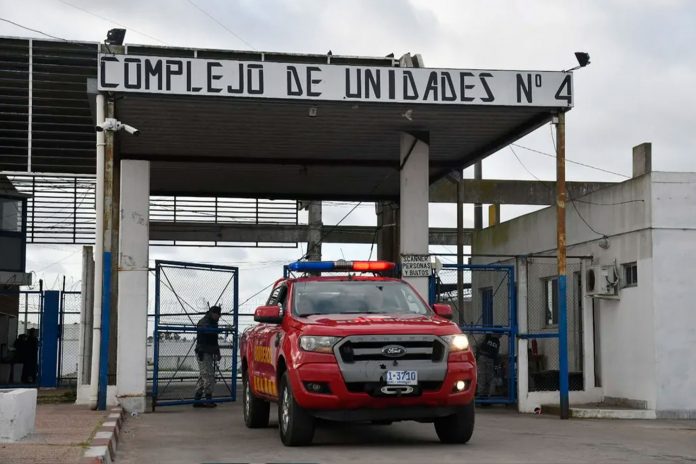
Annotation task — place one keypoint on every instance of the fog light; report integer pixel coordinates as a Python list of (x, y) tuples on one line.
[(460, 385), (317, 387)]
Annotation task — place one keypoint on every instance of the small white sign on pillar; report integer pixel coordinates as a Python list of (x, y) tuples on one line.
[(413, 265)]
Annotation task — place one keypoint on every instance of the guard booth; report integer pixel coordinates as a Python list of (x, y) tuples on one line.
[(18, 356)]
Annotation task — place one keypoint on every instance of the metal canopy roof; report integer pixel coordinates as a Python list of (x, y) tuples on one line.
[(243, 147)]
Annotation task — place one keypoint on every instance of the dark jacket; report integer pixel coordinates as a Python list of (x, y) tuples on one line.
[(207, 341), (489, 347)]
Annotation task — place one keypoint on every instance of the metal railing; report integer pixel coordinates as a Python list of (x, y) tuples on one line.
[(61, 209)]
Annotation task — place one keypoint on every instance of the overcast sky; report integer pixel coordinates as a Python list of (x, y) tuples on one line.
[(638, 88)]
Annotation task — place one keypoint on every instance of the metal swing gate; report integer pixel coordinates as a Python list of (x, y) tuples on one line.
[(489, 308), (183, 294)]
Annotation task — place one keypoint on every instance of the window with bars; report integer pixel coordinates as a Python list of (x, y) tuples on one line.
[(630, 272)]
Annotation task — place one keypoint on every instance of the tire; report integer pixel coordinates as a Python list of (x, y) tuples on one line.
[(458, 427), (256, 410), (296, 426)]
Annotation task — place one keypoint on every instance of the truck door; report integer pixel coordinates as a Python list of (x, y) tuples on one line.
[(266, 346)]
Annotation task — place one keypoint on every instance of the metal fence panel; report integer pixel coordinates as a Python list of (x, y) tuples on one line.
[(69, 347), (542, 323), (183, 294), (488, 307)]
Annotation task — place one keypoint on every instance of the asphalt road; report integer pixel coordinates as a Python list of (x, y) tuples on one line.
[(182, 434)]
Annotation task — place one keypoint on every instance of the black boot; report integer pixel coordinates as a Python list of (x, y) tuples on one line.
[(198, 404), (210, 403)]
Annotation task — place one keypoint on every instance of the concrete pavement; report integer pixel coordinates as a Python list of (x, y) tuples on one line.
[(186, 435), (62, 432)]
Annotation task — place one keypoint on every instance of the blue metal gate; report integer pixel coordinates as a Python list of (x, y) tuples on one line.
[(183, 294), (488, 309)]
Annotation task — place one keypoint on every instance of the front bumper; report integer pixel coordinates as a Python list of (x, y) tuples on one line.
[(338, 404)]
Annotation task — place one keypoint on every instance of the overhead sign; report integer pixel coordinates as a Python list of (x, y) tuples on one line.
[(416, 266), (257, 79)]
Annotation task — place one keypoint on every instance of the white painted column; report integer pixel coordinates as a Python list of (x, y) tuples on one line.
[(415, 191), (133, 285)]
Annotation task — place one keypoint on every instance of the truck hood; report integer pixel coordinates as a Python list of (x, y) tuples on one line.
[(384, 324)]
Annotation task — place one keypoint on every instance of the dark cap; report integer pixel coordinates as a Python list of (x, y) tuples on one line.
[(215, 309)]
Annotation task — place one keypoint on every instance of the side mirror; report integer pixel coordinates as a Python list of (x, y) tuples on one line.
[(268, 314), (443, 310)]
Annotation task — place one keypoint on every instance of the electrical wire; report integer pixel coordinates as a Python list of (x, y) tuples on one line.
[(377, 185), (79, 250), (34, 30), (533, 150), (221, 24), (112, 21), (575, 199), (374, 239), (323, 236), (572, 201), (256, 294)]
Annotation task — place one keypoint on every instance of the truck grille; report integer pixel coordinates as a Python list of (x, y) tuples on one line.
[(353, 351)]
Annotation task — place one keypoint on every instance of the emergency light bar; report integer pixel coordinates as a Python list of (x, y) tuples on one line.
[(339, 266)]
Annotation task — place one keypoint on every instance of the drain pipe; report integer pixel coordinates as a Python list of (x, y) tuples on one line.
[(98, 259)]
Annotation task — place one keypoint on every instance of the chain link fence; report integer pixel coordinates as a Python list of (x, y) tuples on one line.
[(184, 293), (69, 343), (487, 310), (542, 319)]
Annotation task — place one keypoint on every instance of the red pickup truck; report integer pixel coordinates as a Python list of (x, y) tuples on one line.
[(356, 347)]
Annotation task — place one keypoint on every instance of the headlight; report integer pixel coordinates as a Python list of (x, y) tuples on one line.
[(459, 342), (318, 344)]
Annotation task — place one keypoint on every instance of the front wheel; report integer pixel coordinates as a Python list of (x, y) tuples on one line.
[(458, 427), (295, 424), (256, 410)]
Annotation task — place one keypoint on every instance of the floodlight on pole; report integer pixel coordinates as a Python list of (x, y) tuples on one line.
[(583, 60), (115, 36)]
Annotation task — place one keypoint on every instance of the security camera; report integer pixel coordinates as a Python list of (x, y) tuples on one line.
[(111, 124), (108, 124), (130, 129)]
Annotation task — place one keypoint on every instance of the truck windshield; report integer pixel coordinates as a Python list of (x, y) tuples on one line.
[(356, 297)]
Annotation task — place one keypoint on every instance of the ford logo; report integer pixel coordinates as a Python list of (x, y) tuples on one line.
[(394, 351)]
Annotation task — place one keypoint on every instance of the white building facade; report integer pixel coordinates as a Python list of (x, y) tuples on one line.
[(636, 345)]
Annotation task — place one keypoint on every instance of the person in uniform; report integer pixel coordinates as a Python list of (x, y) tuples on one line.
[(207, 353), (486, 357)]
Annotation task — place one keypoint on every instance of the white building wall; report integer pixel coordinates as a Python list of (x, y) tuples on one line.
[(646, 335), (674, 249)]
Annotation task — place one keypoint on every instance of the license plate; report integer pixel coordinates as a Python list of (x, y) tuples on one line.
[(402, 378)]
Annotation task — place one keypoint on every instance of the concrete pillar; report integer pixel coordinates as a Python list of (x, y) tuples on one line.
[(86, 313), (460, 250), (387, 227), (415, 192), (132, 285), (478, 207), (642, 159), (493, 215), (315, 224)]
